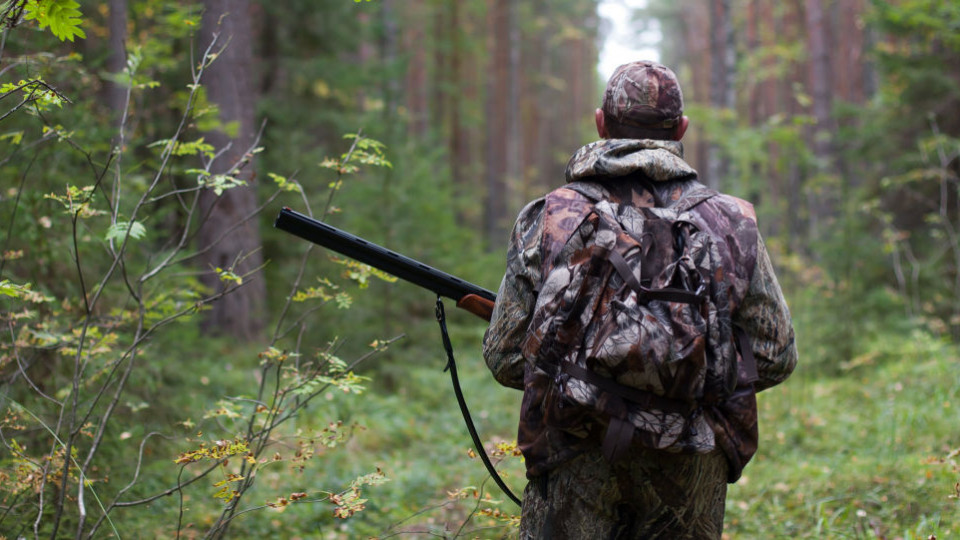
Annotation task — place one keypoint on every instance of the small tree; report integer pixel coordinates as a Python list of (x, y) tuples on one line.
[(77, 356)]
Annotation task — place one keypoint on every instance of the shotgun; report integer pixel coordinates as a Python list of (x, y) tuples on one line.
[(468, 296)]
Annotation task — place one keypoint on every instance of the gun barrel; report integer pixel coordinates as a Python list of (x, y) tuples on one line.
[(376, 256)]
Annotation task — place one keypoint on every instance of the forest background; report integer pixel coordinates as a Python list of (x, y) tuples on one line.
[(172, 366)]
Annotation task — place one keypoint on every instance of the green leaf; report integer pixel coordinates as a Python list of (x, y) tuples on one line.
[(220, 182), (35, 92), (228, 275), (23, 292), (15, 137), (62, 16), (185, 148), (118, 231), (9, 289), (284, 183)]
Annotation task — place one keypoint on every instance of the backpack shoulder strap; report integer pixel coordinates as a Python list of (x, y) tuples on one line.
[(592, 191), (693, 196), (564, 210)]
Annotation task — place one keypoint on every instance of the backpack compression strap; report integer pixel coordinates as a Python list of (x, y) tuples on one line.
[(667, 294)]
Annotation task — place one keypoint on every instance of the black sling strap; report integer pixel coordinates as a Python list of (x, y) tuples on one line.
[(452, 367)]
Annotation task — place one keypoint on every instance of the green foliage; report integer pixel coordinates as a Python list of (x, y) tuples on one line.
[(185, 148), (905, 145), (867, 454), (931, 22), (37, 93), (96, 268), (62, 16), (748, 147), (22, 292), (365, 151), (284, 183), (120, 230), (94, 343)]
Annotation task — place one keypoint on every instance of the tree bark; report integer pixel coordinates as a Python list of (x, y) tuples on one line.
[(820, 77), (696, 30), (513, 141), (416, 76), (459, 151), (537, 117), (239, 314), (722, 60), (871, 79), (116, 94), (442, 78), (821, 90), (498, 90)]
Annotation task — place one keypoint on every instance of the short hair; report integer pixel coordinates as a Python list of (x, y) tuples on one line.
[(617, 130)]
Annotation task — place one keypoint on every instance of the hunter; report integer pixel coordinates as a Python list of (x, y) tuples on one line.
[(654, 489)]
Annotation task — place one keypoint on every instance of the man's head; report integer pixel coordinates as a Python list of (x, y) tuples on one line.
[(642, 101)]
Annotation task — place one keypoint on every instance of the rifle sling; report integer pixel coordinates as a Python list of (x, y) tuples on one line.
[(452, 366)]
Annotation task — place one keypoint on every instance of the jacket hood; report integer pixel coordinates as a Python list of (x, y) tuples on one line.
[(661, 161)]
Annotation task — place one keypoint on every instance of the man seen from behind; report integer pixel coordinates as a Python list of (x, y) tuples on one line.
[(657, 488)]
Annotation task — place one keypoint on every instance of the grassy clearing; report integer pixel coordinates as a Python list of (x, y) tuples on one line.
[(862, 454)]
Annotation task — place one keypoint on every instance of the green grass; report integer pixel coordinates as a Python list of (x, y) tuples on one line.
[(860, 453), (856, 456)]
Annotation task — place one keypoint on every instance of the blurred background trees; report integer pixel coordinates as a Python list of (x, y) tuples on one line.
[(133, 191), (841, 128)]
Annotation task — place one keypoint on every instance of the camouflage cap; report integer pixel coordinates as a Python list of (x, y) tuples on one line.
[(643, 94)]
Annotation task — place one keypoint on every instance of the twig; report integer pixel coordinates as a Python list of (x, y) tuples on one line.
[(136, 475), (170, 491), (13, 213)]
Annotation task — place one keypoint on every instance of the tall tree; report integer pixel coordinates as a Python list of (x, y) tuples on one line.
[(722, 73), (228, 238), (459, 149), (116, 60), (497, 118), (822, 93), (416, 75)]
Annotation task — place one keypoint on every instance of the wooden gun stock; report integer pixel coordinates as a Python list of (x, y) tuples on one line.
[(479, 306)]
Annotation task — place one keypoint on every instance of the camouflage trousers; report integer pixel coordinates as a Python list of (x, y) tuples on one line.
[(646, 495)]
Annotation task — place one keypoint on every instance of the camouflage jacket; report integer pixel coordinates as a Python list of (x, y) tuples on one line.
[(631, 172)]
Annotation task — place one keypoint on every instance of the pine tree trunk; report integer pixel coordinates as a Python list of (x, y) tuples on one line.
[(416, 76), (498, 90), (513, 140), (228, 238), (820, 77), (722, 57), (824, 129), (116, 94)]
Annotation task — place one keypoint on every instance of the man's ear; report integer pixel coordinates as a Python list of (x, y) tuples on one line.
[(681, 128), (601, 128)]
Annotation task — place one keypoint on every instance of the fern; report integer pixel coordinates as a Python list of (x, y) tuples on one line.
[(62, 16)]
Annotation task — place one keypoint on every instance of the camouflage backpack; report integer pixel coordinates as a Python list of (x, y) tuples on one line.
[(634, 327)]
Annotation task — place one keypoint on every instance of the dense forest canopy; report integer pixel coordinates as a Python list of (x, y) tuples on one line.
[(164, 348)]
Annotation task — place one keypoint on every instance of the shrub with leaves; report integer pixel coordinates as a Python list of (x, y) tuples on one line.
[(88, 427)]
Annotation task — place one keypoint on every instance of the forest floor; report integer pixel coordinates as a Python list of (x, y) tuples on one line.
[(868, 451)]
